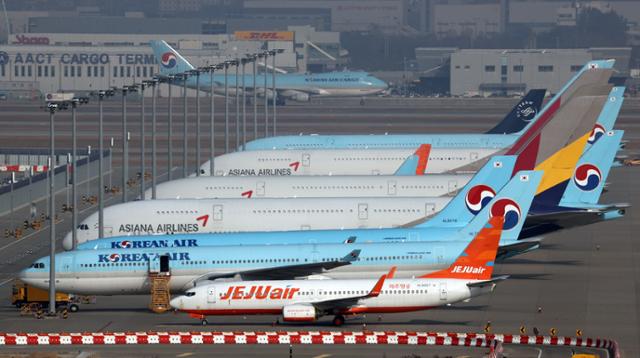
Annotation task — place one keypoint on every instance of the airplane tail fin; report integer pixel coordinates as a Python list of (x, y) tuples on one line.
[(512, 203), (477, 260), (521, 114), (170, 61), (415, 164), (592, 171), (608, 116), (478, 192)]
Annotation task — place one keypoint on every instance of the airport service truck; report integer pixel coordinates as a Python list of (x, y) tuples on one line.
[(25, 295)]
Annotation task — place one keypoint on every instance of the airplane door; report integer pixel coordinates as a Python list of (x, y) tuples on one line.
[(392, 187), (363, 211), (260, 188), (473, 156), (306, 159), (154, 265), (429, 209), (453, 186), (164, 264), (211, 295), (217, 212), (443, 291)]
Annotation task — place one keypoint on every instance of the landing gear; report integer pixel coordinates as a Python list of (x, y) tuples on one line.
[(74, 307), (338, 320), (204, 322)]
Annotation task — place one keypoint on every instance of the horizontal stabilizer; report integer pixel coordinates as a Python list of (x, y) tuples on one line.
[(492, 281)]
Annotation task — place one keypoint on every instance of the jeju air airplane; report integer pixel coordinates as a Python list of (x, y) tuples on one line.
[(470, 275)]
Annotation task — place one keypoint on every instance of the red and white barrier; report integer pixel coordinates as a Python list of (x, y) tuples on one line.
[(302, 337), (23, 168)]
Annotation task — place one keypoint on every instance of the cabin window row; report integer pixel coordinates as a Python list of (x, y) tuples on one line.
[(274, 159), (224, 188), (299, 211), (176, 211), (385, 258), (396, 210)]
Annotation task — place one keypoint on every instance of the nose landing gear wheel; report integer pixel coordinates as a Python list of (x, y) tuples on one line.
[(204, 322), (338, 320)]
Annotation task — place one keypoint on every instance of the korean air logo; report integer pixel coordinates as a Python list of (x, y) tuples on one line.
[(526, 111), (125, 244), (587, 177), (478, 197), (509, 210), (596, 133), (114, 258), (169, 60)]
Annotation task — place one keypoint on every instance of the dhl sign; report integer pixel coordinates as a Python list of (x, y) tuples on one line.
[(264, 35), (258, 292)]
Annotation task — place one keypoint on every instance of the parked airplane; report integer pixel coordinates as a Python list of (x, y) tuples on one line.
[(577, 96), (345, 161), (126, 271), (169, 216), (293, 86), (468, 276), (492, 139), (321, 186)]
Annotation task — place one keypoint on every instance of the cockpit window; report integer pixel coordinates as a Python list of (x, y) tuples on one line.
[(37, 265), (190, 294), (83, 227)]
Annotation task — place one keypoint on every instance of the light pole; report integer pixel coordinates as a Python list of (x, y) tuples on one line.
[(74, 162), (154, 130), (198, 162), (184, 130), (266, 98), (52, 211), (226, 105), (142, 136), (169, 128), (244, 104), (273, 84), (237, 97), (125, 159), (255, 99), (101, 95), (212, 122)]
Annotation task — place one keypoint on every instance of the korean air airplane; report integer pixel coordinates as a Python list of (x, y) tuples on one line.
[(502, 136), (307, 300), (126, 271), (291, 86), (170, 216)]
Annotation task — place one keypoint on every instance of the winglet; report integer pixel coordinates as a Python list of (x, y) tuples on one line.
[(352, 256), (392, 272), (416, 163), (375, 291), (477, 260)]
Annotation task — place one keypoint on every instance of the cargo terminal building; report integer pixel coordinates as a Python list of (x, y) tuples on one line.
[(33, 64)]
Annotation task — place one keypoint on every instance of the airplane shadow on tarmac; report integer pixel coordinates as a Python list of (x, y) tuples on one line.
[(371, 322), (521, 261)]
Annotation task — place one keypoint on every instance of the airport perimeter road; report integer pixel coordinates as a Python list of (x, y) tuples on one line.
[(586, 278)]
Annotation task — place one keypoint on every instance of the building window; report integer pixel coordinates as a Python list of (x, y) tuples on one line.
[(545, 68), (121, 71), (128, 71), (2, 70), (101, 71), (53, 71), (22, 71), (518, 68), (95, 71), (39, 71), (79, 71), (89, 71), (46, 71), (144, 71), (73, 71), (138, 72), (490, 68), (576, 68), (503, 70), (29, 74), (115, 72), (15, 71)]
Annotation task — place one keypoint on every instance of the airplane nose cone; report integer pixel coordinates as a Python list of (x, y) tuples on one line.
[(176, 303), (67, 242)]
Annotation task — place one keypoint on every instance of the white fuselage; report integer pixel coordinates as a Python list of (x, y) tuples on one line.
[(341, 161), (298, 296), (170, 216), (339, 186)]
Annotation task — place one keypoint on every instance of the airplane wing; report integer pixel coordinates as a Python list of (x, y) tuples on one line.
[(287, 272), (339, 304), (519, 247), (484, 283)]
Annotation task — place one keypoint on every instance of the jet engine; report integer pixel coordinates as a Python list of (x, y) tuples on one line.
[(299, 313)]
